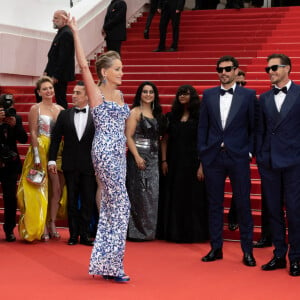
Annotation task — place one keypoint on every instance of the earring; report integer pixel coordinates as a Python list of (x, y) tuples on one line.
[(104, 80), (152, 105)]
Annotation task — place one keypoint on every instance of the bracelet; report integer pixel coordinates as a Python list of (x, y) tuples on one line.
[(163, 161)]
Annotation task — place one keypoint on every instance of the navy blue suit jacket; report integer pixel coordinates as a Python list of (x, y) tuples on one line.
[(238, 134), (278, 134)]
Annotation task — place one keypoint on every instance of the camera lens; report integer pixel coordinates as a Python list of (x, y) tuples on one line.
[(10, 112)]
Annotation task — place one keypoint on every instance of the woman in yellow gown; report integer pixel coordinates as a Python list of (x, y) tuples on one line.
[(33, 199)]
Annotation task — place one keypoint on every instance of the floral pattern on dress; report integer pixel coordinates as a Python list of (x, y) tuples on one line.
[(109, 159)]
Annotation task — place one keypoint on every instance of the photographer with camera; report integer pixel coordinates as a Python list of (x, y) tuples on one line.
[(11, 132)]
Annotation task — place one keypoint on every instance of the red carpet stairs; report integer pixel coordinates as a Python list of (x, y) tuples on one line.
[(248, 34)]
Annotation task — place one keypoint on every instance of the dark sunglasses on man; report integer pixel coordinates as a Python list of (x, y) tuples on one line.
[(242, 83), (274, 68), (227, 69)]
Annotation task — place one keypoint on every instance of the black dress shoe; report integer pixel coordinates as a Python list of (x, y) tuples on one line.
[(146, 34), (159, 50), (172, 49), (213, 255), (86, 241), (295, 268), (249, 260), (262, 243), (73, 241), (233, 226), (10, 237), (274, 263)]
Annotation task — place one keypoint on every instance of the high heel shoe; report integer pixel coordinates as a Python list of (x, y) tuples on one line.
[(52, 230), (122, 278), (45, 237), (108, 277)]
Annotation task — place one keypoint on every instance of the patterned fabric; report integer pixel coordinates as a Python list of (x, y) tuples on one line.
[(108, 154)]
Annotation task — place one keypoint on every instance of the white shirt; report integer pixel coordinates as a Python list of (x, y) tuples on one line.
[(80, 120), (280, 97), (225, 104)]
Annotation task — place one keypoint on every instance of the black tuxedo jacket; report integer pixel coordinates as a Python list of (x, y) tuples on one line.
[(173, 4), (115, 21), (61, 61), (10, 136), (76, 154)]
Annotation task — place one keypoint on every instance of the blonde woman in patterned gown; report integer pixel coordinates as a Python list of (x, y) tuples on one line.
[(108, 152)]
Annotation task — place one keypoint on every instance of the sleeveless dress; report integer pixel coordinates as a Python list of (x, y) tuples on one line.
[(33, 199), (109, 159), (183, 202), (143, 185)]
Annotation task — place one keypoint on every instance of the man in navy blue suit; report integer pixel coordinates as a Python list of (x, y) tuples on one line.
[(278, 159), (226, 144)]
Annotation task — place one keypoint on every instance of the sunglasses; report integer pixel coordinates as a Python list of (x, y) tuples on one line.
[(242, 83), (183, 94), (274, 68), (227, 69)]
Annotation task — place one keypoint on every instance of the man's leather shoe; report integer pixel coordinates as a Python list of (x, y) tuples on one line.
[(172, 49), (213, 255), (10, 237), (233, 226), (249, 260), (86, 241), (158, 50), (73, 241), (295, 268), (274, 263), (262, 243)]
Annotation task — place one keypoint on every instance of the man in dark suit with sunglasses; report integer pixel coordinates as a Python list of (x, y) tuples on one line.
[(278, 159), (225, 144)]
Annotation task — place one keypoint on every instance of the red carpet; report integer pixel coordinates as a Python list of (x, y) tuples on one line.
[(159, 270), (248, 34)]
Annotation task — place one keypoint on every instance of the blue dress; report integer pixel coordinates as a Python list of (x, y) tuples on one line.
[(109, 159)]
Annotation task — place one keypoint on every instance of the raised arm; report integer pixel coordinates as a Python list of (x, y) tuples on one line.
[(91, 87)]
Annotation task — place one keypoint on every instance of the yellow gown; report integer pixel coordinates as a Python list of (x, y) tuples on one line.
[(33, 199)]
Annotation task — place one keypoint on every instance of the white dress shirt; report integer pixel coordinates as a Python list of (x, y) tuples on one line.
[(280, 97), (80, 120), (225, 104)]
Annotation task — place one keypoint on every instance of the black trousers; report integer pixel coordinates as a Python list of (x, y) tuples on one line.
[(152, 11), (9, 188), (114, 45), (81, 189), (168, 15), (60, 89)]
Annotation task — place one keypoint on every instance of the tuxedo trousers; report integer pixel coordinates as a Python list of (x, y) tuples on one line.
[(283, 185), (239, 174), (81, 191)]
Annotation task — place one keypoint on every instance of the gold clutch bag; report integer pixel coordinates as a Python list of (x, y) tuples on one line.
[(35, 176)]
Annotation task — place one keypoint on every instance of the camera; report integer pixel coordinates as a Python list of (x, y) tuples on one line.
[(6, 101)]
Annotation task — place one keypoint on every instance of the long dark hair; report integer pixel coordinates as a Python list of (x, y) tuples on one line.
[(193, 105)]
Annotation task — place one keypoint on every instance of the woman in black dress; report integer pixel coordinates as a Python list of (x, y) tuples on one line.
[(143, 133), (183, 199)]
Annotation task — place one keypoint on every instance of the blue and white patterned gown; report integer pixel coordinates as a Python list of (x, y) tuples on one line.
[(109, 159)]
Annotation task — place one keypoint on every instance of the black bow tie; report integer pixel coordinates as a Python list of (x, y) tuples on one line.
[(83, 110), (223, 92), (276, 90)]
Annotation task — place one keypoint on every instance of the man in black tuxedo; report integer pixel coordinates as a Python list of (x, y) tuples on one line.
[(114, 27), (278, 159), (61, 61), (11, 132), (169, 10), (77, 128), (225, 144)]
